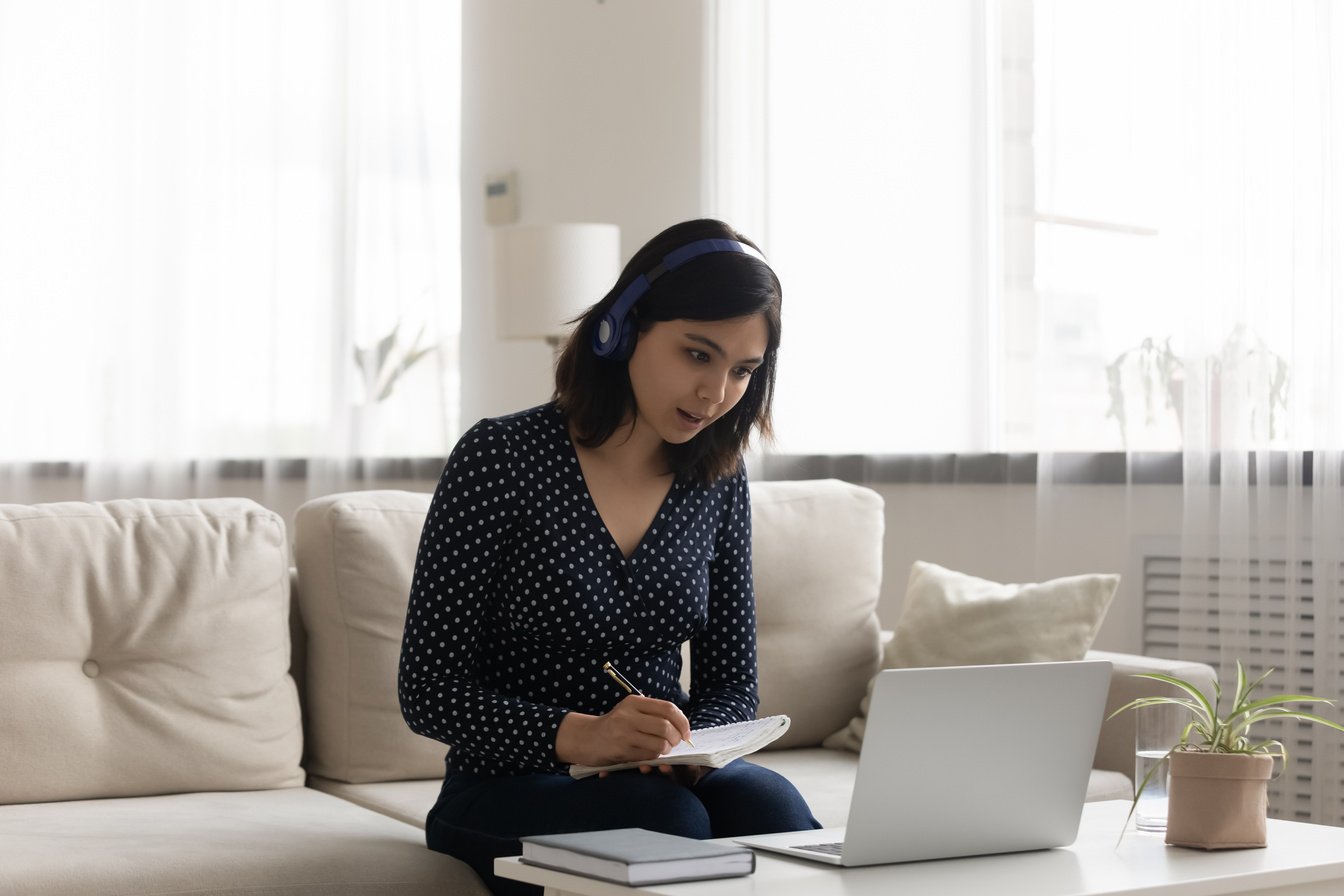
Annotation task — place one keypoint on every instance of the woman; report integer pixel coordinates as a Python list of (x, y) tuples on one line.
[(610, 525)]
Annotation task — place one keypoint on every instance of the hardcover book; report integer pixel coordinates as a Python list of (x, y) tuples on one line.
[(637, 857)]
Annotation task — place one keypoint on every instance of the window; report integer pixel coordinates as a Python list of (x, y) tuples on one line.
[(211, 213), (1045, 225)]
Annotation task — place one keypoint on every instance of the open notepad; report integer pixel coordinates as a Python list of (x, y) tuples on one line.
[(714, 747)]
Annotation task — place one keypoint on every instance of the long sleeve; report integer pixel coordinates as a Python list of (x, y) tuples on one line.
[(453, 605), (723, 655)]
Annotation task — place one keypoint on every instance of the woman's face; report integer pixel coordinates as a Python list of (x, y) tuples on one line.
[(688, 373)]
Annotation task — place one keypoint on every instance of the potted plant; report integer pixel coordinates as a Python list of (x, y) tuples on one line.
[(1218, 796)]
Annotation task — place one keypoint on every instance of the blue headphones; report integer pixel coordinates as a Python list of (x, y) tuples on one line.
[(614, 337)]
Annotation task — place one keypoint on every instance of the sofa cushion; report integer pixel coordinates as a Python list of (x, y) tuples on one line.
[(291, 842), (825, 778), (953, 619), (144, 650), (817, 562), (355, 554), (406, 801)]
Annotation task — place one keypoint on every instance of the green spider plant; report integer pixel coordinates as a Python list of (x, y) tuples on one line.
[(1213, 731)]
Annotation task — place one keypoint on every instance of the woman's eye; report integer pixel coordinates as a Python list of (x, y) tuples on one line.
[(743, 372), (702, 357)]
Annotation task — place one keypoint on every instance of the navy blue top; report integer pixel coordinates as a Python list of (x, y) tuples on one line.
[(520, 595)]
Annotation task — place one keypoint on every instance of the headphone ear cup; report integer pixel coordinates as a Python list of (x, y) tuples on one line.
[(614, 339), (607, 336)]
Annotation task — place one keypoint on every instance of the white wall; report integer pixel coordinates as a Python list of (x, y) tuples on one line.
[(597, 107)]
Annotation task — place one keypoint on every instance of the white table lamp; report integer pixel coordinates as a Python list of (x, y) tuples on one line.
[(547, 274)]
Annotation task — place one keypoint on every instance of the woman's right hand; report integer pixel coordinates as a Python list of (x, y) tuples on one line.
[(636, 729)]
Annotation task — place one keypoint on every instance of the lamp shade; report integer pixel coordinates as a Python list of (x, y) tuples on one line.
[(547, 274)]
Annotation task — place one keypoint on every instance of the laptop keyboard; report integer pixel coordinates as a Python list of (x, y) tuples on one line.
[(830, 849)]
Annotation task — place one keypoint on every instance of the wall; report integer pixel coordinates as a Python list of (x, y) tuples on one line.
[(596, 106)]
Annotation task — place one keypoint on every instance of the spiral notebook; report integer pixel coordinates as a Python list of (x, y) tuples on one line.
[(714, 747)]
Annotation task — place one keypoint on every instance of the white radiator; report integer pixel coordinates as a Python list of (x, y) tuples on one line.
[(1286, 623)]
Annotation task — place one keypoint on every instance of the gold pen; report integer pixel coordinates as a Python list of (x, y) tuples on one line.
[(621, 680)]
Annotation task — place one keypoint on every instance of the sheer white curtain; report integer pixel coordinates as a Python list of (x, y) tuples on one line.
[(228, 231), (1201, 146), (1169, 175), (866, 195)]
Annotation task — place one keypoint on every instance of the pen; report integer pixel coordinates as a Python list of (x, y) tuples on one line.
[(621, 680)]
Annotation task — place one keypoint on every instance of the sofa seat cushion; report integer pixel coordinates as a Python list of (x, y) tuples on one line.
[(1109, 785), (406, 801), (145, 650), (825, 778), (259, 843)]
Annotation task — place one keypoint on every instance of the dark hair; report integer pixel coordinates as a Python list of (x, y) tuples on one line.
[(595, 393)]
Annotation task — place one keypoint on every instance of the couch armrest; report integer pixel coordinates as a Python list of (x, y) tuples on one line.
[(1115, 746)]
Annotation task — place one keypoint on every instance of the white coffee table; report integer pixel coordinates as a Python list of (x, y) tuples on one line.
[(1301, 859)]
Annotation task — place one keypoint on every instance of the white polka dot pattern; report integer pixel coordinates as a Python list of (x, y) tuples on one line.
[(520, 595)]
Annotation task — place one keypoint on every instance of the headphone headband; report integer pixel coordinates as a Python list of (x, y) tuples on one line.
[(614, 338)]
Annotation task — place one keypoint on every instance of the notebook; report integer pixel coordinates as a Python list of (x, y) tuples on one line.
[(715, 746), (964, 761)]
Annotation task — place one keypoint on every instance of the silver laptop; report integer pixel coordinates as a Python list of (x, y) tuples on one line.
[(966, 761)]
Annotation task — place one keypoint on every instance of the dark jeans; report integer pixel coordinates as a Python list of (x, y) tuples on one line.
[(480, 817)]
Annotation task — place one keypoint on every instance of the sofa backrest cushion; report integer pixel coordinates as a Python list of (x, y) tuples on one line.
[(355, 554), (817, 563), (817, 560), (144, 649)]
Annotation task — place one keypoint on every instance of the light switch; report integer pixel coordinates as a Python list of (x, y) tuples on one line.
[(501, 198)]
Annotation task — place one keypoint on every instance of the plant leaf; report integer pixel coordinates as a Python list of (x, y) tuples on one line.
[(1285, 698), (1244, 690), (415, 356), (1279, 712), (1206, 707), (1141, 702), (385, 347)]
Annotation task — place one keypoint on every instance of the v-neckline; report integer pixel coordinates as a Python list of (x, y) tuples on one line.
[(597, 511)]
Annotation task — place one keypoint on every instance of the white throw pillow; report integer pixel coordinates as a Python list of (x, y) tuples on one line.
[(953, 619)]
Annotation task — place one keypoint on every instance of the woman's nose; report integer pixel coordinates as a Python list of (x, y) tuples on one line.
[(712, 388)]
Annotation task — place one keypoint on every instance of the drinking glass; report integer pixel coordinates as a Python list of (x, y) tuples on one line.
[(1156, 731)]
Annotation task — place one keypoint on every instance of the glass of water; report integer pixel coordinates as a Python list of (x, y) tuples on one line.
[(1156, 731)]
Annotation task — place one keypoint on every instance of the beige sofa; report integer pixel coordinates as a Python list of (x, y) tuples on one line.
[(173, 723)]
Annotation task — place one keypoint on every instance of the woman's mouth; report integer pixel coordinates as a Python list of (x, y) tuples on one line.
[(690, 420)]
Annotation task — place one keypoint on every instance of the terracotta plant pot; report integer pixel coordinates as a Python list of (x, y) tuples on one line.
[(1218, 800)]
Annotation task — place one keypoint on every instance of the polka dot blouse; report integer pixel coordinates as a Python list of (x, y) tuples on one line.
[(520, 595)]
